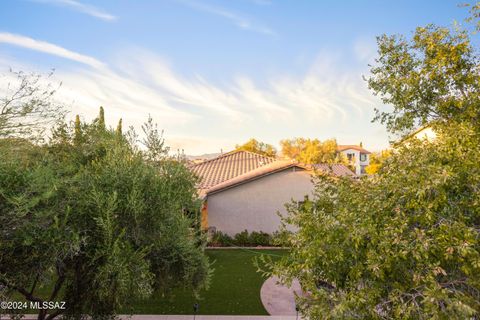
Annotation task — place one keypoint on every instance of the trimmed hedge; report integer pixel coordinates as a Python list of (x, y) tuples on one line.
[(244, 239)]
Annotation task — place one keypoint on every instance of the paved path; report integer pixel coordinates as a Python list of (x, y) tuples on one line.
[(279, 300)]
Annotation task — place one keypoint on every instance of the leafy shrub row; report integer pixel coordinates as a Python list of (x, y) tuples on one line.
[(244, 239)]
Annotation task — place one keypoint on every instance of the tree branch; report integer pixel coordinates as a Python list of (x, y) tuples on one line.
[(29, 296), (34, 284)]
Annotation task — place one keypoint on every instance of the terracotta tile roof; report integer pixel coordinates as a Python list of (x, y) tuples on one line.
[(254, 174), (352, 146), (238, 167), (337, 169), (228, 166)]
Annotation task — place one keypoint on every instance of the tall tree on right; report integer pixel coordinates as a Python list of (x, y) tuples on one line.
[(404, 243), (431, 79)]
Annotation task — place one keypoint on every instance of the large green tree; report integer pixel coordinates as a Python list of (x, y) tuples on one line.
[(430, 79), (405, 243), (93, 220)]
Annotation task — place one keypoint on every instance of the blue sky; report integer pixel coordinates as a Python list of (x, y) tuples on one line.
[(215, 73)]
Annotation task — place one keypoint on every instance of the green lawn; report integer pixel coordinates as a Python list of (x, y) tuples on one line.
[(234, 289)]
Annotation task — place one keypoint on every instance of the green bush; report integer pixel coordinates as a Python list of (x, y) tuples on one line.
[(243, 239), (260, 239), (220, 239), (280, 238)]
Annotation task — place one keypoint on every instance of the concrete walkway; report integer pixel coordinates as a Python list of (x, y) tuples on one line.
[(279, 300)]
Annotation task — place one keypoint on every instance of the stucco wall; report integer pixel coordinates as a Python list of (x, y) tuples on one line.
[(358, 162), (253, 205), (426, 134)]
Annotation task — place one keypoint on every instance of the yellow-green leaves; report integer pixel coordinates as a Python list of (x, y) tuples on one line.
[(403, 244)]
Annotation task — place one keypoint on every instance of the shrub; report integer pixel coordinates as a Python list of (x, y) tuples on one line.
[(280, 238), (243, 239), (220, 239), (260, 239)]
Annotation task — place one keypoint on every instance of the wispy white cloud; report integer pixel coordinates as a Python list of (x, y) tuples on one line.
[(81, 7), (46, 47), (201, 116), (240, 21), (262, 2)]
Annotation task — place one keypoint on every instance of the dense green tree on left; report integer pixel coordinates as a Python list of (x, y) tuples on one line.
[(95, 220)]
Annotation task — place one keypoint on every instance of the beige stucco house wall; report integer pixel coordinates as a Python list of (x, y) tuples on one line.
[(253, 205), (359, 157), (425, 133)]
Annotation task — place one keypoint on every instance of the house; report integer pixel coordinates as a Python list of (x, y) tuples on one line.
[(357, 155), (242, 190), (424, 133)]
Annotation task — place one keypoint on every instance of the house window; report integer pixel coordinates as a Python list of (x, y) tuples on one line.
[(350, 156), (362, 169), (363, 157)]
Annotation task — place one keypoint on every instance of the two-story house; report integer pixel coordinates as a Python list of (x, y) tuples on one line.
[(358, 157)]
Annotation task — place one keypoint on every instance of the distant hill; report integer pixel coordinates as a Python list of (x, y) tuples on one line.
[(203, 157)]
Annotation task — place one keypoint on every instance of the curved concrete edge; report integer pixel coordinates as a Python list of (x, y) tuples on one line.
[(278, 299)]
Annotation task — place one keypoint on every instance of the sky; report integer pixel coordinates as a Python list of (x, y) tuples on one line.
[(215, 73)]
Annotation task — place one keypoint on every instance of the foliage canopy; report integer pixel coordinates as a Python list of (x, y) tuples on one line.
[(255, 146), (404, 243), (97, 220), (311, 151)]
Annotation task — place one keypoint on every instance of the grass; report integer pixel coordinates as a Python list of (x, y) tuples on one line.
[(234, 289)]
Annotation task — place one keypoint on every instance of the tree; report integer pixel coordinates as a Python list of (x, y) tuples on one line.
[(404, 243), (154, 142), (401, 245), (432, 78), (77, 134), (474, 14), (96, 224), (377, 160), (101, 118), (27, 108), (311, 150), (119, 129), (255, 146)]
